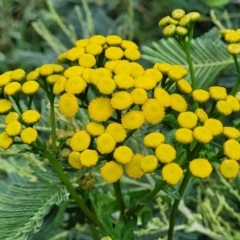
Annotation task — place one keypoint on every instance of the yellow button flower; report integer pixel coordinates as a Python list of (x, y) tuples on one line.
[(114, 53), (82, 42), (165, 153), (124, 81), (12, 116), (172, 173), (111, 172), (132, 54), (231, 132), (121, 100), (137, 69), (200, 95), (122, 66), (139, 96), (95, 129), (233, 48), (99, 39), (223, 107), (106, 85), (148, 163), (185, 20), (14, 128), (229, 168), (98, 73), (233, 102), (202, 134), (5, 141), (162, 67), (152, 140), (46, 70), (89, 157), (86, 74), (201, 114), (57, 68), (5, 79), (200, 168), (184, 86), (29, 135), (111, 64), (214, 125), (182, 31), (31, 116), (128, 44), (87, 60), (164, 21), (145, 82), (133, 119), (94, 49), (30, 87), (177, 72), (105, 143), (80, 141), (18, 74), (117, 131), (178, 103), (12, 88), (184, 135), (123, 154), (232, 37), (75, 85), (218, 93), (74, 160), (169, 31), (68, 105), (187, 119), (5, 106), (52, 79), (178, 14), (194, 16), (162, 96), (154, 74), (113, 40), (74, 53), (73, 71), (100, 109), (133, 168), (231, 149), (153, 111), (59, 85)]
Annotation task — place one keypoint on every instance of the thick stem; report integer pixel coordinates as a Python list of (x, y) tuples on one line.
[(175, 205), (237, 82), (53, 123), (119, 197), (71, 189)]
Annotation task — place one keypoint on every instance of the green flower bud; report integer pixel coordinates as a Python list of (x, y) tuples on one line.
[(194, 16), (65, 152), (182, 31), (173, 21), (106, 238), (178, 13), (233, 48), (169, 30), (164, 21), (185, 20)]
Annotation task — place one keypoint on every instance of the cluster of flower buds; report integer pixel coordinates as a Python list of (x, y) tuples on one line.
[(232, 37)]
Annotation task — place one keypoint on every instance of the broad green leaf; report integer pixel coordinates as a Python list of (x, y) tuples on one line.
[(209, 56)]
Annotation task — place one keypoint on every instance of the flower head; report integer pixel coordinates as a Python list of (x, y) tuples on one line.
[(75, 85), (223, 107), (162, 96), (12, 88), (233, 48), (169, 30), (94, 49), (105, 143), (177, 72), (184, 135), (89, 157), (124, 81), (133, 119), (114, 53), (178, 14), (12, 116), (232, 37), (86, 74), (132, 54), (46, 70), (231, 149), (122, 67), (128, 44), (59, 85), (113, 40), (121, 100), (80, 141), (5, 106), (31, 116), (187, 119), (214, 125), (184, 86), (73, 71), (30, 87), (74, 160), (163, 67), (123, 154), (201, 114), (5, 141), (82, 42), (200, 167), (87, 60), (233, 102), (29, 135), (68, 105), (137, 69), (51, 79), (148, 163), (178, 103), (229, 168), (165, 153), (218, 93), (100, 109), (74, 53), (99, 39), (200, 95), (172, 173), (133, 168), (154, 74), (152, 140), (117, 131), (153, 110), (202, 134), (95, 129), (145, 82), (14, 128), (111, 171), (5, 79), (139, 96), (98, 73), (231, 132), (18, 74), (106, 85)]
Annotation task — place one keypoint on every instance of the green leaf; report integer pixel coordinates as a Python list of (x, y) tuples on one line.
[(208, 52), (216, 3), (171, 191)]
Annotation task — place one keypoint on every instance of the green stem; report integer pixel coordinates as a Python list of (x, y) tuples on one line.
[(30, 101), (237, 82), (71, 189), (175, 205), (119, 197), (53, 123)]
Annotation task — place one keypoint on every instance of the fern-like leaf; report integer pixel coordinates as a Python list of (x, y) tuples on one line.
[(209, 56)]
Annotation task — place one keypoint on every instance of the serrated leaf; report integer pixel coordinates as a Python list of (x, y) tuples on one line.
[(209, 56), (171, 191)]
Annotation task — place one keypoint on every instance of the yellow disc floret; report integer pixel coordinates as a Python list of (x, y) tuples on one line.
[(80, 141), (172, 173), (133, 168), (105, 143), (29, 135), (111, 171), (148, 163), (133, 119), (31, 116), (231, 132), (214, 125), (5, 106), (123, 154), (165, 153), (14, 128), (74, 160), (231, 149), (5, 140), (95, 129), (202, 134), (68, 105), (200, 167), (30, 87), (184, 135), (121, 100), (89, 157), (117, 131), (187, 120), (152, 140), (178, 103), (229, 168)]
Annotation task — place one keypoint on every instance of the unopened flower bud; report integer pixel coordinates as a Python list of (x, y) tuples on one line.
[(238, 96), (169, 30), (185, 20), (194, 16), (164, 21), (65, 152), (182, 31), (178, 13), (106, 238), (233, 48), (173, 21)]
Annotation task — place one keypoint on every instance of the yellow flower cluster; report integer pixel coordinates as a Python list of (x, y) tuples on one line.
[(232, 37)]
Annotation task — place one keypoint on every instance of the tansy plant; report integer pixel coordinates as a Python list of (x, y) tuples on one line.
[(186, 130)]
